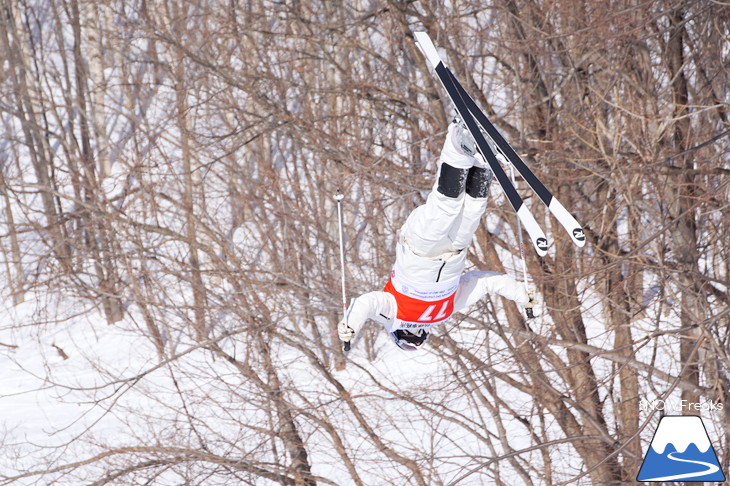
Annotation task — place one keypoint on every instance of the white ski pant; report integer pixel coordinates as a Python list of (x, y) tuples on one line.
[(433, 240), (443, 225)]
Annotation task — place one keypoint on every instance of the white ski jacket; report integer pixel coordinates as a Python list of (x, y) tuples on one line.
[(429, 291)]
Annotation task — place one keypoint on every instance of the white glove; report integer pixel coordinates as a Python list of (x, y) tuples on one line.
[(531, 302), (529, 306), (345, 332)]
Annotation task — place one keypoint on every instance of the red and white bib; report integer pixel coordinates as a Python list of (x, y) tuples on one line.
[(421, 305)]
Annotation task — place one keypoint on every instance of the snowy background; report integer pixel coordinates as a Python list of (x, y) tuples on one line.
[(169, 253)]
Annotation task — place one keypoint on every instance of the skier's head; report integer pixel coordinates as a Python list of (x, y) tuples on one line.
[(409, 340)]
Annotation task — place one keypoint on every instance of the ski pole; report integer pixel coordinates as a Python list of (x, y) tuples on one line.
[(528, 310), (339, 197)]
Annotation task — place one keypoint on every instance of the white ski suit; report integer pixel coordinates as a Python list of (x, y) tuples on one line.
[(427, 284)]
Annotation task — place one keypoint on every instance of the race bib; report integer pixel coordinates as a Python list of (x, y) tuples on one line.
[(422, 305)]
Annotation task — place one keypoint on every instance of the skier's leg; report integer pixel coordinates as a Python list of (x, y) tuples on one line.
[(475, 204), (427, 230)]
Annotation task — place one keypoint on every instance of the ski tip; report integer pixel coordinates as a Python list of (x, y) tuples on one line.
[(539, 241), (428, 48), (568, 222), (579, 237), (541, 246)]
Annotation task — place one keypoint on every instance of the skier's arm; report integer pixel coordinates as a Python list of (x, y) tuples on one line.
[(476, 284), (373, 305)]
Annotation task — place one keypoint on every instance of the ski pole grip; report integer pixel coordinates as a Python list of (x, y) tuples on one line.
[(347, 346)]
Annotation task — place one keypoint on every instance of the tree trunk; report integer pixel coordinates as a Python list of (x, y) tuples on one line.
[(94, 16), (28, 112), (16, 281), (189, 192), (684, 231)]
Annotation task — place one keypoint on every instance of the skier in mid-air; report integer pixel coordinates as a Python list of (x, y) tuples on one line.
[(426, 284)]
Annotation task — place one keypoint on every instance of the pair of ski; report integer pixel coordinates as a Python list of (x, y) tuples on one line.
[(474, 118)]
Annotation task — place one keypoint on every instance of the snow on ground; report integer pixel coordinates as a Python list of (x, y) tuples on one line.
[(107, 392), (52, 390), (73, 386)]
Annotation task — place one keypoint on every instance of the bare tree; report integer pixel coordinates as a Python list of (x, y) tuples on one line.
[(173, 164)]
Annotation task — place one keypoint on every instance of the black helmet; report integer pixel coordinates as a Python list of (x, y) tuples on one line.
[(409, 340)]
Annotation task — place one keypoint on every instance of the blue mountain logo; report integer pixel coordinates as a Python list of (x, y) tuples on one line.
[(680, 451)]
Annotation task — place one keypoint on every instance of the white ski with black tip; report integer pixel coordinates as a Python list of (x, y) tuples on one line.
[(571, 225), (539, 241)]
